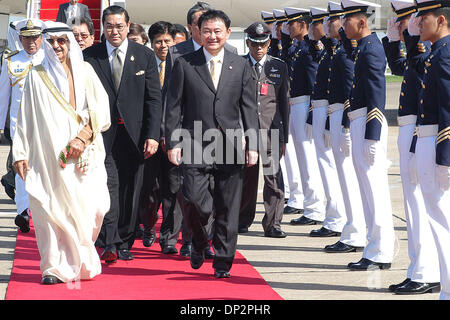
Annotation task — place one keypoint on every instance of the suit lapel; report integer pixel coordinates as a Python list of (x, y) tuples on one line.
[(227, 69), (127, 64), (105, 67), (250, 62), (202, 69)]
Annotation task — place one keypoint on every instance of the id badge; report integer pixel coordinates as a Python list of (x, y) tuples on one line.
[(264, 89)]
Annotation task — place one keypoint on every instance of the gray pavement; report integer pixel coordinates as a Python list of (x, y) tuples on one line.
[(295, 267)]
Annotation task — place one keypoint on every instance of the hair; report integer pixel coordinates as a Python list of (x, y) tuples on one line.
[(74, 22), (199, 6), (161, 27), (212, 15), (115, 10), (443, 12), (181, 29), (138, 30)]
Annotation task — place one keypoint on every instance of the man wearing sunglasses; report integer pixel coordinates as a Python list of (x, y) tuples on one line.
[(271, 77), (83, 31), (14, 72)]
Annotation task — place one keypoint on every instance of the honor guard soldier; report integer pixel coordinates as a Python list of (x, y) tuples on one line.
[(334, 215), (423, 271), (432, 149), (289, 163), (284, 40), (353, 235), (12, 79), (272, 87), (270, 20), (369, 132), (303, 69)]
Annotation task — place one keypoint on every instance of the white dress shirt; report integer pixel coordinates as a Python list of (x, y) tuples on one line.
[(122, 51), (72, 11), (218, 63), (261, 62), (196, 45)]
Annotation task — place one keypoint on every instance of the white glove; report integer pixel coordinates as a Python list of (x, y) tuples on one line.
[(370, 150), (311, 33), (309, 131), (443, 176), (285, 28), (393, 32), (274, 31), (413, 25), (327, 139), (412, 168), (345, 143)]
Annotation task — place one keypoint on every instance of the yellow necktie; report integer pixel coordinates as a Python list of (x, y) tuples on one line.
[(162, 72), (212, 70)]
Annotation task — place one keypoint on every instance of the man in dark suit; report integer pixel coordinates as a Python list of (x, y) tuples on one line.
[(72, 9), (210, 91), (272, 77), (182, 48), (129, 73)]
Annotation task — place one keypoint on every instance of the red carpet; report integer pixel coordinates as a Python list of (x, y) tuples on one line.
[(150, 276)]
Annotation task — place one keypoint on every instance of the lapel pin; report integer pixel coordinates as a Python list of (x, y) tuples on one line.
[(230, 67), (132, 58)]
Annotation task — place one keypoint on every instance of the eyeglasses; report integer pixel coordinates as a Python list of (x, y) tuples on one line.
[(61, 41), (119, 27), (83, 36)]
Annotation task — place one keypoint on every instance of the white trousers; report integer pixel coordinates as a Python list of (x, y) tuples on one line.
[(354, 231), (424, 263), (291, 175), (437, 203), (335, 217), (21, 197), (314, 198), (374, 188)]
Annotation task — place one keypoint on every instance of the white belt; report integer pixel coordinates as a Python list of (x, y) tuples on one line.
[(427, 130), (358, 113), (298, 100), (407, 120), (335, 107), (319, 103)]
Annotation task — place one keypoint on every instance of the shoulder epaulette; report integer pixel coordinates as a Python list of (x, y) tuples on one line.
[(12, 53)]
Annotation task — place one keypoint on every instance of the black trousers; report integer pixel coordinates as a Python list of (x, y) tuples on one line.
[(200, 202), (166, 191), (273, 194), (125, 169)]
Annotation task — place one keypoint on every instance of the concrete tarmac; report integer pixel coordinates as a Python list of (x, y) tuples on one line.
[(295, 267)]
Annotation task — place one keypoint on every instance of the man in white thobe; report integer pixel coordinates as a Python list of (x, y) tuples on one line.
[(64, 110)]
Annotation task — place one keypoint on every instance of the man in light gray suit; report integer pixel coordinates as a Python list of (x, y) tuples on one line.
[(72, 9)]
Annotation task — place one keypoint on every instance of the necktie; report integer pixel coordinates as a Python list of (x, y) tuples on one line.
[(117, 69), (213, 72), (258, 69), (162, 71)]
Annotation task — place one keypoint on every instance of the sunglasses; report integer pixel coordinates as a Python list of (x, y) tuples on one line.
[(61, 41)]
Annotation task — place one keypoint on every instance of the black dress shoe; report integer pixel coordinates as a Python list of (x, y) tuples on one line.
[(324, 232), (23, 221), (340, 247), (9, 190), (275, 233), (109, 254), (149, 238), (221, 274), (124, 254), (169, 250), (242, 230), (291, 210), (366, 264), (50, 280), (209, 254), (186, 249), (304, 221), (197, 258), (413, 287), (394, 287)]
